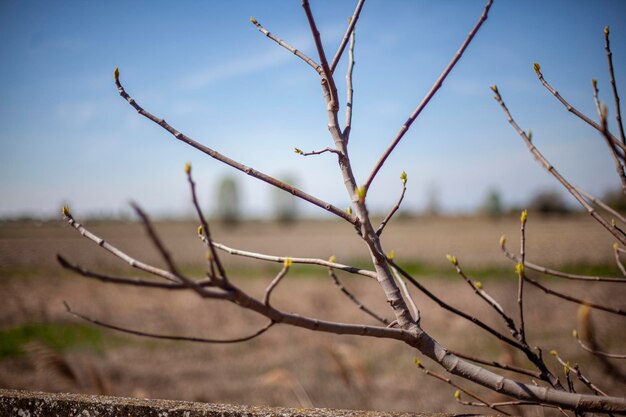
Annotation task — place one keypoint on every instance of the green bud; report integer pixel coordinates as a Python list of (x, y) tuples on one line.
[(478, 285), (494, 88), (116, 74), (287, 263), (519, 268), (298, 151), (502, 241), (606, 30), (188, 168), (66, 211), (457, 395), (594, 82), (452, 259), (537, 68), (403, 177), (253, 20), (524, 216)]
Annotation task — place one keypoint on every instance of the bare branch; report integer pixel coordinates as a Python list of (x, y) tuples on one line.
[(543, 161), (429, 95), (602, 114), (335, 151), (128, 281), (450, 382), (618, 261), (576, 370), (478, 290), (554, 272), (216, 155), (118, 253), (546, 375), (395, 208), (407, 295), (352, 297), (558, 294), (275, 282), (280, 259), (349, 89), (521, 276), (348, 35), (166, 255), (616, 214), (572, 109), (205, 227), (618, 110), (167, 337), (596, 351), (527, 372), (317, 67)]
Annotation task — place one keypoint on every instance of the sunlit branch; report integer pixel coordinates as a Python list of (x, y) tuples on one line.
[(154, 238), (309, 261), (521, 276), (335, 151), (288, 47), (205, 227), (353, 298), (275, 282), (572, 109), (349, 89), (429, 95), (527, 372), (596, 351), (616, 214), (138, 282), (348, 35), (245, 169), (582, 378), (478, 290), (548, 166), (407, 296), (618, 110), (167, 337), (394, 208), (554, 272), (558, 294), (118, 253), (483, 403)]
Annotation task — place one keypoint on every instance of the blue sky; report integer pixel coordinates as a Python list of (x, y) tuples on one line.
[(67, 137)]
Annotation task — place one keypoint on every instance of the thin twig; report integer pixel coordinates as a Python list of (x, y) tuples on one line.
[(128, 281), (602, 114), (618, 110), (349, 89), (352, 297), (616, 214), (546, 375), (309, 261), (395, 208), (554, 272), (618, 261), (547, 290), (510, 324), (335, 151), (433, 90), (205, 227), (154, 237), (407, 295), (118, 253), (275, 282), (548, 166), (450, 382), (572, 109), (596, 351), (349, 34), (247, 170), (167, 337), (527, 372), (317, 67), (576, 370), (521, 276)]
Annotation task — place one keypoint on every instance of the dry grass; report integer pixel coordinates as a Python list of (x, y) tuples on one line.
[(288, 366)]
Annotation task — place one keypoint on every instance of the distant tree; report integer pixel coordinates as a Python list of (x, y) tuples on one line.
[(228, 201), (548, 202), (492, 206), (285, 205)]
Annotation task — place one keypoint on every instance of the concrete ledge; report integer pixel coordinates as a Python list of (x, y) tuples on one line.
[(42, 404)]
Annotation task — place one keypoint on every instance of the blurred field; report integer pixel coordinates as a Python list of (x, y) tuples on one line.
[(43, 348)]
